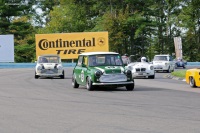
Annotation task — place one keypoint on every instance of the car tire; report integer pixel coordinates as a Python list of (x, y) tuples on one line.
[(74, 83), (63, 75), (130, 87), (176, 66), (169, 70), (192, 82), (151, 77), (36, 76), (89, 85)]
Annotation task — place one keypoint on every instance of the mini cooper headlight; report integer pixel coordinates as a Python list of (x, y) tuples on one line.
[(59, 67), (128, 72), (151, 67), (98, 73), (39, 67)]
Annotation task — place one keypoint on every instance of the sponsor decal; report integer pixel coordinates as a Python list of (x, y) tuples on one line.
[(44, 44), (101, 41), (111, 67), (70, 45)]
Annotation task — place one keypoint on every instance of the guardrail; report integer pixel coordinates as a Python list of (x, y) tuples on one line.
[(28, 65), (193, 63), (32, 65)]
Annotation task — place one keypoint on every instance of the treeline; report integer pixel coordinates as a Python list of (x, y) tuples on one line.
[(136, 27)]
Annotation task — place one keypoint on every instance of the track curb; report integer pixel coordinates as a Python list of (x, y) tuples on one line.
[(174, 77)]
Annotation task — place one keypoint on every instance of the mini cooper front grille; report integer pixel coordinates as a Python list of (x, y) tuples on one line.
[(49, 71), (113, 78), (140, 69)]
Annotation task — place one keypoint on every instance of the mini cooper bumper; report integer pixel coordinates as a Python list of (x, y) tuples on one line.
[(114, 83), (49, 73), (113, 79), (161, 67)]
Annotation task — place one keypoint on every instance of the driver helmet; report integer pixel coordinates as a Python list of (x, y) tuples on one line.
[(143, 59), (126, 55)]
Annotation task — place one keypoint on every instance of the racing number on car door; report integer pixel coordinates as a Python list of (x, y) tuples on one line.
[(81, 70)]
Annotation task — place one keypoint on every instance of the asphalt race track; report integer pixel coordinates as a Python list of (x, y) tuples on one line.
[(46, 105)]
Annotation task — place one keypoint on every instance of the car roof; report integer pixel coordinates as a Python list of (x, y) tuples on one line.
[(98, 53)]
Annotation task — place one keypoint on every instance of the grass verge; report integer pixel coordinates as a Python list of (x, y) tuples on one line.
[(179, 73)]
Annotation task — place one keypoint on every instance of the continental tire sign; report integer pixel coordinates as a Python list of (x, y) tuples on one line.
[(70, 45)]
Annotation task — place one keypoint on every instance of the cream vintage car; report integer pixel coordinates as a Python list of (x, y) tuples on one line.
[(49, 66), (163, 62), (142, 69), (95, 69)]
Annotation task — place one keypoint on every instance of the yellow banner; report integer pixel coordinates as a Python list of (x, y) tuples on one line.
[(70, 45)]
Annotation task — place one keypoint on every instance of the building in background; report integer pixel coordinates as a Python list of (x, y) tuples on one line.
[(6, 48)]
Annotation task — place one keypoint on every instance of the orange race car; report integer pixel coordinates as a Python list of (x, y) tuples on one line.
[(192, 77)]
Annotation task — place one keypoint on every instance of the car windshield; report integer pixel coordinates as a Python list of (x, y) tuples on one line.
[(49, 59), (160, 58), (105, 60)]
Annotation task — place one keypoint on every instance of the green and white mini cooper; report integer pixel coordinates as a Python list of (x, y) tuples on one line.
[(95, 69)]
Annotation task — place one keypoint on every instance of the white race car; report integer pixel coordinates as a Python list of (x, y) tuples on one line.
[(142, 69), (49, 66)]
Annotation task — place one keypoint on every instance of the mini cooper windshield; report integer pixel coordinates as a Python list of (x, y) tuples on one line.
[(160, 58), (49, 59), (105, 60)]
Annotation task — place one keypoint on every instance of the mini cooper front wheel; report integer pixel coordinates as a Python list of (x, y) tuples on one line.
[(169, 70), (192, 82), (151, 77), (89, 85), (74, 83), (63, 75), (36, 76), (130, 87)]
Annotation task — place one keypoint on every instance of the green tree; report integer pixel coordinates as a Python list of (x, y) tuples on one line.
[(15, 18), (189, 21), (67, 17)]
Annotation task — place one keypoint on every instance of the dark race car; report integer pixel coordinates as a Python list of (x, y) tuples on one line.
[(180, 63)]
